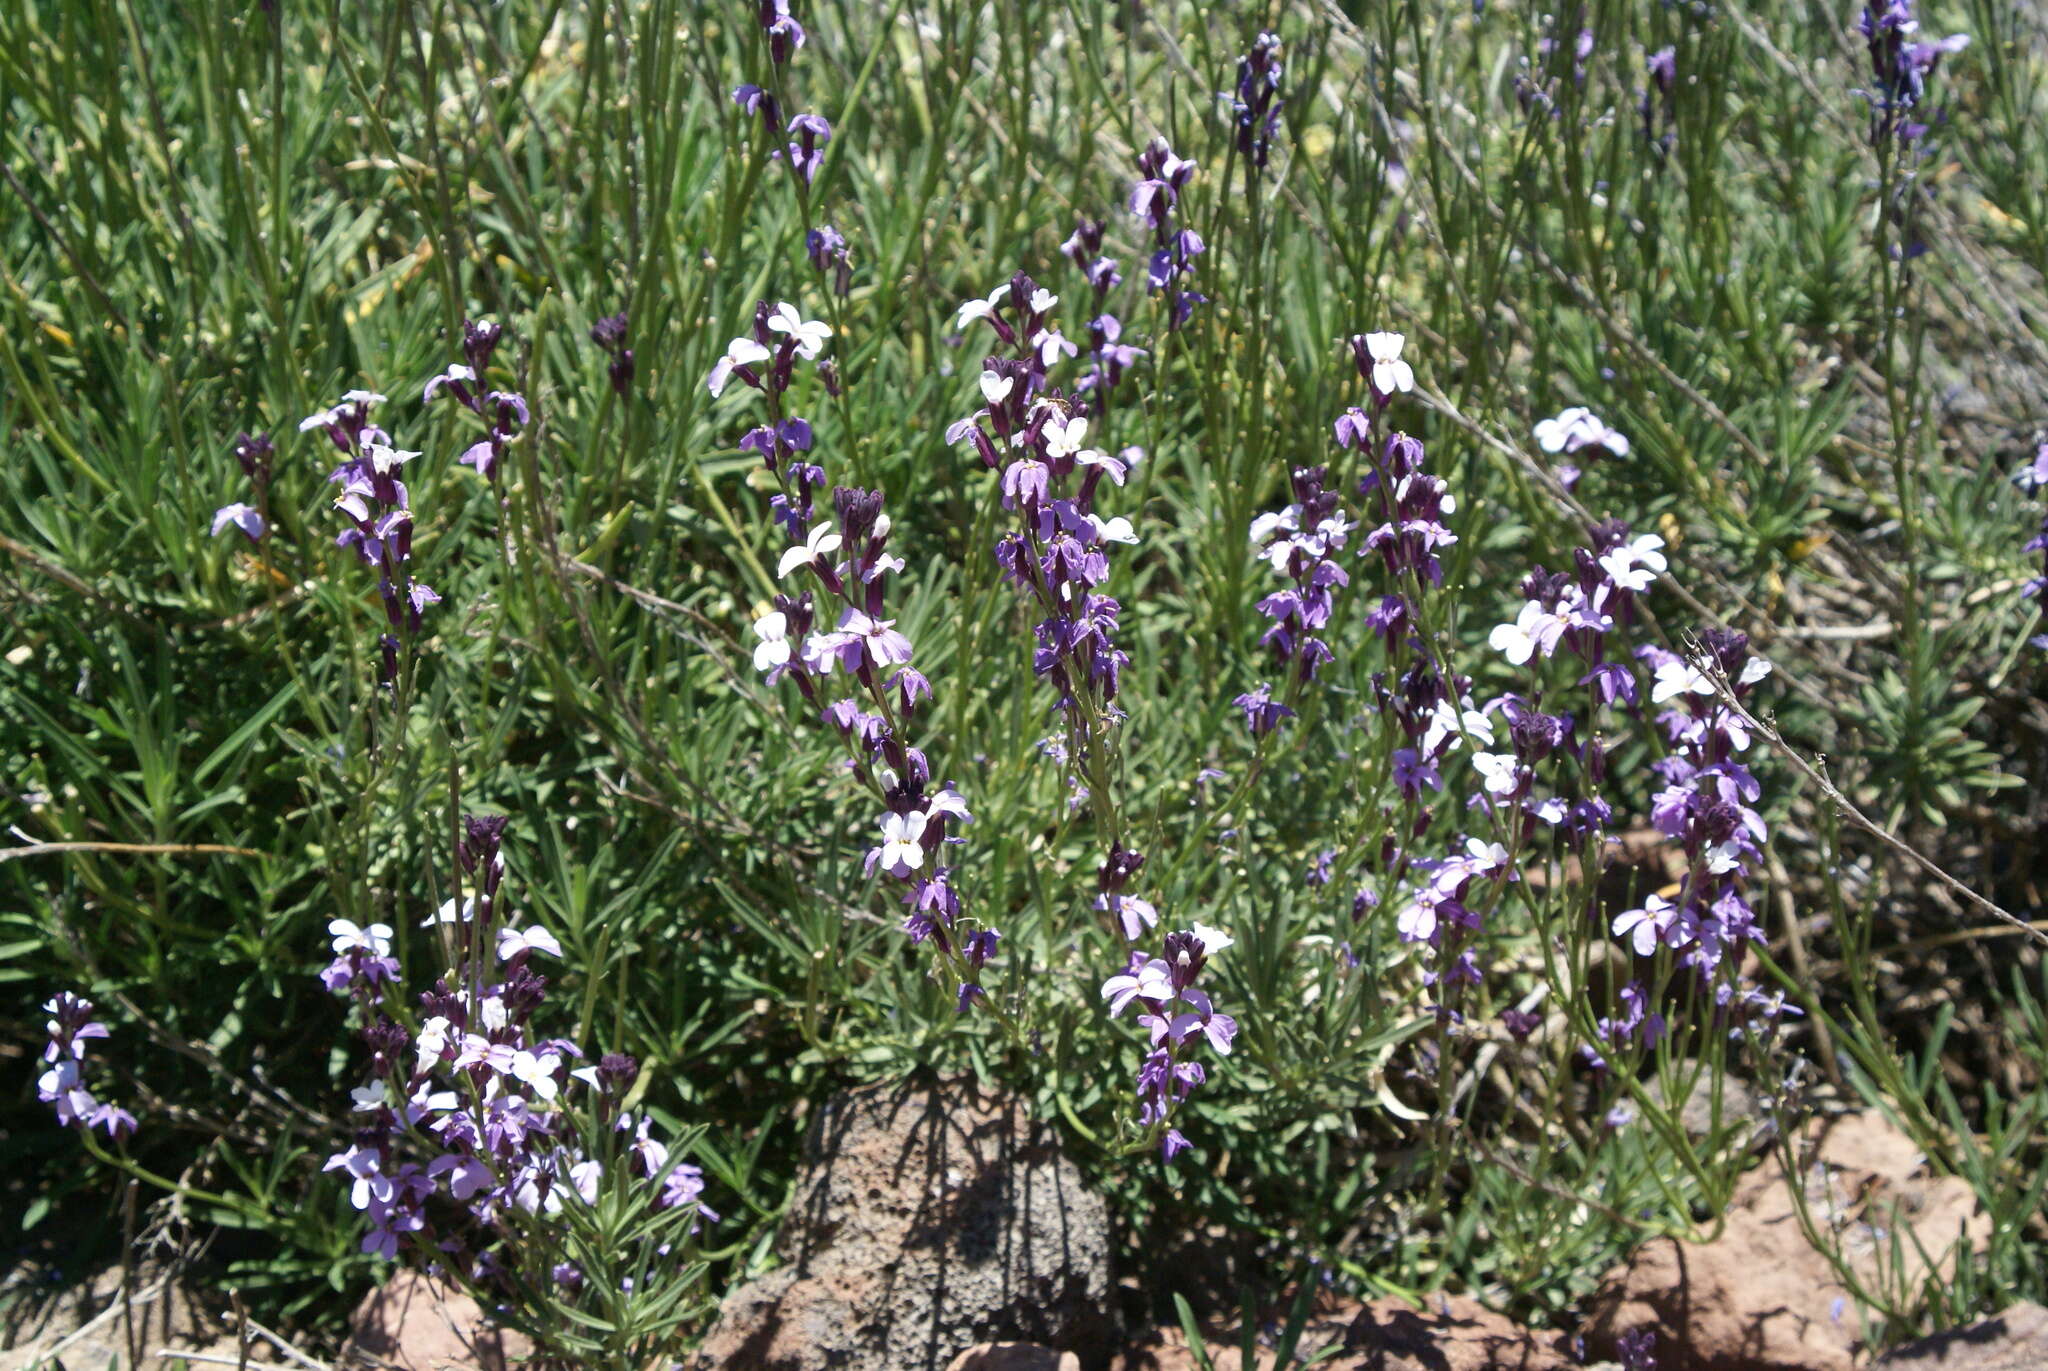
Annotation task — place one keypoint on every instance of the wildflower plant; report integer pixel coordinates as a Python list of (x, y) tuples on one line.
[(481, 1151), (1296, 606)]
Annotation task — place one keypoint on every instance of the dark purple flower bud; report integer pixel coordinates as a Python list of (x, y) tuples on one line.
[(621, 371), (609, 332), (482, 836), (1084, 243), (524, 992), (479, 340), (254, 453), (1185, 956), (858, 511), (1117, 870), (616, 1071), (386, 1041), (1729, 649)]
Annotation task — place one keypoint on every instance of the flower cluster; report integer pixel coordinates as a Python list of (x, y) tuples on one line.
[(1255, 111), (1444, 912), (1707, 807), (380, 515), (62, 1087), (254, 454), (2033, 478), (826, 247), (1577, 611), (1154, 199), (1549, 50), (1433, 710), (1707, 803), (466, 1129), (1301, 542), (849, 559), (1179, 1016), (609, 333), (1056, 553), (801, 141), (1899, 65), (1109, 357), (504, 412), (1579, 434)]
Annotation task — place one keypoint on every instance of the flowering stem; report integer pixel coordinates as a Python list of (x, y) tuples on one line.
[(121, 1162)]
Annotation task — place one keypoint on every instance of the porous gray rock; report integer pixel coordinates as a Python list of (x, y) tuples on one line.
[(928, 1218)]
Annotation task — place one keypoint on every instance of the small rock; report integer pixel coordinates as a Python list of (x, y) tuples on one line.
[(417, 1324), (1759, 1297), (2016, 1340), (1739, 1105), (1454, 1333), (926, 1220), (1014, 1356)]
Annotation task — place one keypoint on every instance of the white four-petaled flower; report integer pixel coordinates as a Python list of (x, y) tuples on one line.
[(901, 851), (773, 649), (1500, 770), (350, 937), (1634, 565), (1064, 437), (1535, 630), (822, 540), (811, 335), (1153, 980), (982, 309), (1389, 372)]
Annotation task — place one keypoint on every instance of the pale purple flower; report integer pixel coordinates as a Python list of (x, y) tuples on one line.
[(243, 517), (517, 942), (1262, 713), (740, 354), (1647, 926), (1147, 978)]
